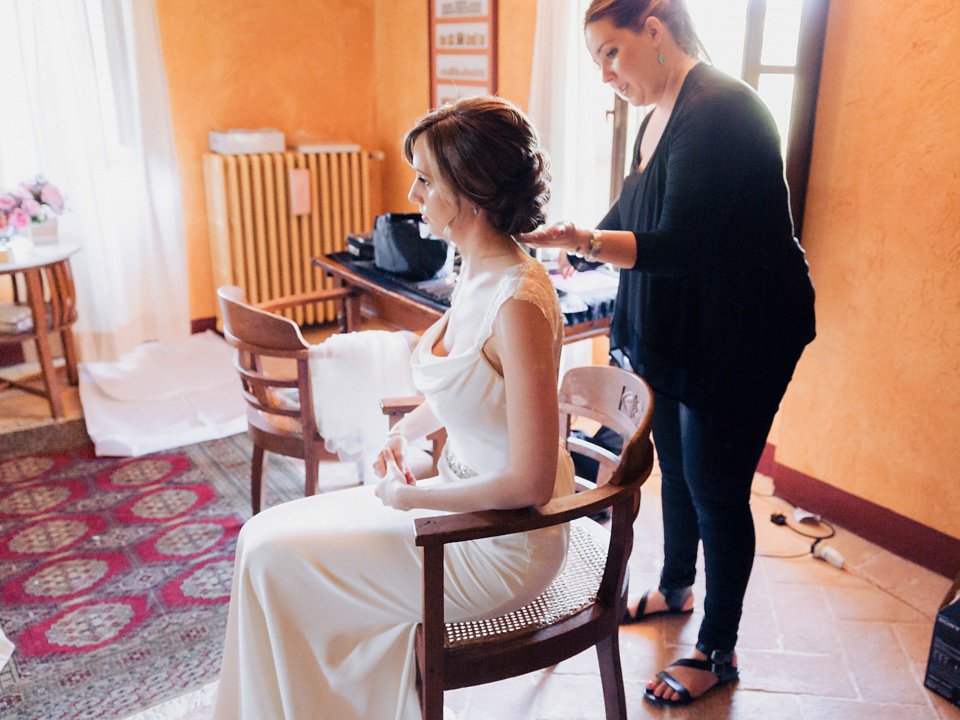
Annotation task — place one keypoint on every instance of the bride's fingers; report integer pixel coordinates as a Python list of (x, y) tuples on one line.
[(392, 467), (379, 466)]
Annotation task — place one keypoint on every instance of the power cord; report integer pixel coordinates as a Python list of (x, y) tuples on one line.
[(818, 549)]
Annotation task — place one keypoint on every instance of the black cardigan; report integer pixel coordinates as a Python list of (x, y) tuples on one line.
[(719, 304)]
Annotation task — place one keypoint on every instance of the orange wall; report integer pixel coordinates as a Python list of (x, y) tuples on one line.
[(336, 70), (300, 66), (874, 408), (403, 88)]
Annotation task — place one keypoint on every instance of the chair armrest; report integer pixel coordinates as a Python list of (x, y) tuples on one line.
[(459, 527), (304, 298), (400, 405)]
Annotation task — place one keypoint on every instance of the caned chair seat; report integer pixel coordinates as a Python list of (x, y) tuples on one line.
[(571, 592)]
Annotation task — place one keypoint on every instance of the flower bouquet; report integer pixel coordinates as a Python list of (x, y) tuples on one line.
[(34, 203)]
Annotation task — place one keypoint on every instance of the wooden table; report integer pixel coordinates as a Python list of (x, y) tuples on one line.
[(44, 273), (392, 300)]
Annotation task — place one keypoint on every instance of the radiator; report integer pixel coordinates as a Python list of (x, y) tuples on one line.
[(258, 243)]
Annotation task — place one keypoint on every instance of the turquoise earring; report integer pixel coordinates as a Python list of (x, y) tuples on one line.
[(660, 58)]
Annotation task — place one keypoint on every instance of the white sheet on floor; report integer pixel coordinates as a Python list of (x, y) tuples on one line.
[(163, 395), (6, 649)]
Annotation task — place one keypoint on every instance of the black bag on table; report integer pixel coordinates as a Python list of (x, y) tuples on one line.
[(399, 248)]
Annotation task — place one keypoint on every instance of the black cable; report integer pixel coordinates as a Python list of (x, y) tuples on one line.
[(817, 538), (782, 520)]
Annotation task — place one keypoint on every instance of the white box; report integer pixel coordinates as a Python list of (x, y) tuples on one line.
[(322, 147), (239, 142)]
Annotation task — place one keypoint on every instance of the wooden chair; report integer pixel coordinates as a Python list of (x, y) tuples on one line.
[(273, 422), (583, 606), (45, 296)]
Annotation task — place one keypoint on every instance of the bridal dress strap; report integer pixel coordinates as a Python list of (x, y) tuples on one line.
[(527, 281)]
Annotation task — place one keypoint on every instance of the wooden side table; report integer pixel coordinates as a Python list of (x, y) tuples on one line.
[(43, 282)]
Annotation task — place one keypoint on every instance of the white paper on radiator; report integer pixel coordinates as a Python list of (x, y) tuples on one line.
[(162, 396)]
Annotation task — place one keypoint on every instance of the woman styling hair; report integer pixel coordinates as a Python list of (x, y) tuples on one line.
[(714, 306)]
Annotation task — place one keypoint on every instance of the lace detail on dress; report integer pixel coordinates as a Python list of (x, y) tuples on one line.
[(527, 281)]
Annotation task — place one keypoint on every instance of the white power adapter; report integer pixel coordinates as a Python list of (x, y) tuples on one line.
[(828, 554)]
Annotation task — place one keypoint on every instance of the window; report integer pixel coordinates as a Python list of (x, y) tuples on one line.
[(776, 46)]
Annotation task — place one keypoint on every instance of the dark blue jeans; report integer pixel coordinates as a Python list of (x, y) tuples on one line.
[(706, 497)]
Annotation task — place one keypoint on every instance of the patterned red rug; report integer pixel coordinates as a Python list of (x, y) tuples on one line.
[(115, 575)]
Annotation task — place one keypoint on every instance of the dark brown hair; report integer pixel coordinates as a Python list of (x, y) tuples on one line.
[(487, 151), (632, 14)]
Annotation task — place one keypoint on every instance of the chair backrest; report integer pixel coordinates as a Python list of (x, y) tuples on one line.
[(613, 397), (623, 402), (257, 334), (256, 327)]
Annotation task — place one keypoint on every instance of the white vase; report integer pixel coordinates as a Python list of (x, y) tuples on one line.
[(44, 232)]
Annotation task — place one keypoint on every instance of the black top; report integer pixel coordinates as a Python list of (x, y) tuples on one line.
[(719, 303)]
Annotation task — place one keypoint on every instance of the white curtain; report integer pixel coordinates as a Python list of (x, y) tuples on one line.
[(86, 105), (568, 105)]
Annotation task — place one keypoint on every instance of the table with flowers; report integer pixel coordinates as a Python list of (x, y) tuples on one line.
[(44, 299)]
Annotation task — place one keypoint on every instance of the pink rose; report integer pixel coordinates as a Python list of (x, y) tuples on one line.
[(7, 203), (32, 208), (19, 219), (22, 193), (49, 195)]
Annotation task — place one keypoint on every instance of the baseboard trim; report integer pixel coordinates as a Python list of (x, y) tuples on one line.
[(902, 536), (199, 325)]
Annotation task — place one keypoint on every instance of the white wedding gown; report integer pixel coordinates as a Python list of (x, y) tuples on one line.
[(327, 590)]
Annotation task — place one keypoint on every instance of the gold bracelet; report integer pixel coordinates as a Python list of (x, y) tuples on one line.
[(594, 246)]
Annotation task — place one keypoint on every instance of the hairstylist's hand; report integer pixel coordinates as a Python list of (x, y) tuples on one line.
[(563, 236), (390, 489), (564, 266)]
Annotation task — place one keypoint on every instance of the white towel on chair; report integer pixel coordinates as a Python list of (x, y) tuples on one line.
[(349, 375)]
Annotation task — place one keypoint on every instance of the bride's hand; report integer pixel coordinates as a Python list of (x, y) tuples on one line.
[(564, 236), (391, 490), (395, 446)]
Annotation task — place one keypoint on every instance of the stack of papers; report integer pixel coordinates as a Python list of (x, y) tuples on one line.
[(15, 318)]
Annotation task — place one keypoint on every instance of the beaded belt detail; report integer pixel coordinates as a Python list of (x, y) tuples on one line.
[(459, 469)]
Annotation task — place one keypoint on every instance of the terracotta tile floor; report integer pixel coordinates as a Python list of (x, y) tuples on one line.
[(817, 643)]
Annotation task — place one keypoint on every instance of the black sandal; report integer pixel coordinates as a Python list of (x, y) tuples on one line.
[(720, 664), (676, 599)]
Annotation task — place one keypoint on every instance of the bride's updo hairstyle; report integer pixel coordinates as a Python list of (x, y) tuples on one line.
[(487, 152)]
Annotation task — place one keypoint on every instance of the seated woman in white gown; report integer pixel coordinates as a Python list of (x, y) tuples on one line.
[(327, 590)]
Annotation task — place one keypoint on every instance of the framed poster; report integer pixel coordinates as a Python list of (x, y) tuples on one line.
[(463, 49)]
